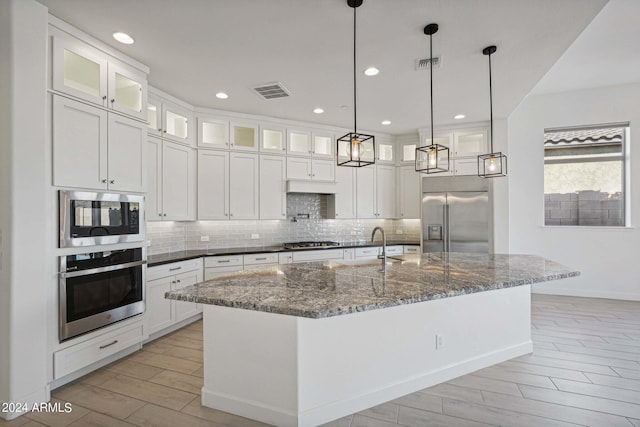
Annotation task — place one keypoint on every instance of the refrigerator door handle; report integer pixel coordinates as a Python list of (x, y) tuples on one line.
[(445, 231)]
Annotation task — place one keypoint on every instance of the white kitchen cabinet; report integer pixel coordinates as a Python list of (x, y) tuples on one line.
[(216, 266), (469, 142), (261, 259), (301, 168), (323, 144), (317, 255), (408, 152), (273, 182), (385, 191), (171, 187), (213, 185), (162, 313), (285, 257), (227, 185), (411, 249), (386, 152), (466, 166), (272, 139), (409, 189), (244, 136), (96, 149), (82, 71), (366, 192), (177, 123), (342, 205), (376, 192), (243, 186), (374, 251), (299, 142), (213, 132)]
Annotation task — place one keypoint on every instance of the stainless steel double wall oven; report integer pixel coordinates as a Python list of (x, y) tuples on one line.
[(102, 285)]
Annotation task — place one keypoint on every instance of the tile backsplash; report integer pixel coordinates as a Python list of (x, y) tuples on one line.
[(306, 220)]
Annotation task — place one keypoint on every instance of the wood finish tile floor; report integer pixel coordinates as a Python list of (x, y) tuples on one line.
[(584, 370)]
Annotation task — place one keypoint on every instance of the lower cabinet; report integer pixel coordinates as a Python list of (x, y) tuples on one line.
[(215, 266), (374, 251), (163, 313)]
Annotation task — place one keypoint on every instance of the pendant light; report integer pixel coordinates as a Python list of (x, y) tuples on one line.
[(493, 164), (433, 158), (355, 149)]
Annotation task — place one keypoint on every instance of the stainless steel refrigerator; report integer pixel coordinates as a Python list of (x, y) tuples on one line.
[(455, 214)]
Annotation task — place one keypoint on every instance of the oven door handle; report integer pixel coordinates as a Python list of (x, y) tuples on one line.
[(65, 274)]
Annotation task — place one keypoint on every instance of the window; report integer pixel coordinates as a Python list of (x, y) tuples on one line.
[(584, 175)]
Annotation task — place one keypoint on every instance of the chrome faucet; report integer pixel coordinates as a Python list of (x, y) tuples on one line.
[(382, 256)]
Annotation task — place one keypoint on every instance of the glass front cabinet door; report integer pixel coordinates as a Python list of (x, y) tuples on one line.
[(177, 122), (244, 136), (127, 91), (323, 144), (213, 133), (471, 142), (272, 139), (299, 142)]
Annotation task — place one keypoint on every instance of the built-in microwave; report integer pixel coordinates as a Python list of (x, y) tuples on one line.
[(90, 218)]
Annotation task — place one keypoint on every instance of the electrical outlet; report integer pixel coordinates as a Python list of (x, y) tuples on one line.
[(255, 236), (204, 238), (399, 231), (353, 233), (439, 341)]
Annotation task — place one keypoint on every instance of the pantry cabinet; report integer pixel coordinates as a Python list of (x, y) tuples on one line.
[(84, 72), (110, 146), (171, 181)]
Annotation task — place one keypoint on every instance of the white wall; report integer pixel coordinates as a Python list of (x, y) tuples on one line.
[(26, 239), (607, 258)]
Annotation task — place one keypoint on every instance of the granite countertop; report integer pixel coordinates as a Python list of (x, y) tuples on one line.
[(325, 289), (168, 258)]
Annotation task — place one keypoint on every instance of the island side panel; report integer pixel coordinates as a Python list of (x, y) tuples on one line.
[(250, 364), (291, 371), (349, 363)]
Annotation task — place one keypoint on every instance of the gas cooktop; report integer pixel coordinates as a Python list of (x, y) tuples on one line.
[(310, 245)]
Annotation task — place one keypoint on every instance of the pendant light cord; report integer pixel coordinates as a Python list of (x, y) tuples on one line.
[(431, 81), (491, 103), (355, 106)]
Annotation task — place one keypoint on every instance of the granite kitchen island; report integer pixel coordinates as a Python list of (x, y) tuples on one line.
[(303, 344)]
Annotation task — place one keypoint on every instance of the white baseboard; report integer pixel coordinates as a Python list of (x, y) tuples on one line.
[(29, 401), (587, 293), (342, 408)]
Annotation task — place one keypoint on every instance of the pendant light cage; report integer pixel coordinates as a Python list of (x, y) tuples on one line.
[(355, 149), (493, 164), (433, 158)]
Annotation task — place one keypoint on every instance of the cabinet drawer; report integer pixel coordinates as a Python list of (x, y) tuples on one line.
[(411, 249), (321, 255), (174, 268), (223, 261), (368, 252), (211, 273), (84, 354), (256, 259), (285, 258), (394, 250)]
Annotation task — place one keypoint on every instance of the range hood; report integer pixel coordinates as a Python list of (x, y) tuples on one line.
[(314, 187)]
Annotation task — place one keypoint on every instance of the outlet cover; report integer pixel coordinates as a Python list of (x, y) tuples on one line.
[(204, 238), (255, 236), (439, 341)]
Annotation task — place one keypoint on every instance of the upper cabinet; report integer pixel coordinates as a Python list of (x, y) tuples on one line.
[(84, 72), (170, 120), (244, 136), (310, 143), (323, 144), (213, 132), (272, 139), (299, 142), (470, 142), (385, 152)]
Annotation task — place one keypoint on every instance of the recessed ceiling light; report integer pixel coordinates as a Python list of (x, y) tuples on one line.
[(459, 116), (371, 71), (221, 95), (123, 38), (318, 110), (386, 122)]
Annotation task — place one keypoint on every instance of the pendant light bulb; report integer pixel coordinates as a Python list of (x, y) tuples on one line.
[(433, 159), (492, 164), (355, 148)]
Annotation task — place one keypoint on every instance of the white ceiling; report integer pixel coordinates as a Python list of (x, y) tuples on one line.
[(196, 48), (607, 53)]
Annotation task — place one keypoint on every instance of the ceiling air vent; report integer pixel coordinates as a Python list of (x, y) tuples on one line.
[(424, 63), (271, 90)]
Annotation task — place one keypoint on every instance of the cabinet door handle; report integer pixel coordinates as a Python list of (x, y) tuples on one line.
[(113, 100), (160, 130), (159, 214), (164, 214), (231, 214), (261, 259), (102, 347), (223, 260), (113, 181), (313, 174), (175, 269), (178, 280), (104, 97), (104, 181)]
